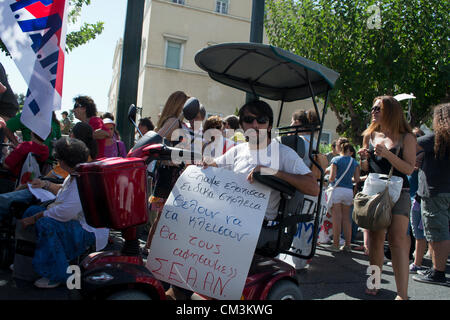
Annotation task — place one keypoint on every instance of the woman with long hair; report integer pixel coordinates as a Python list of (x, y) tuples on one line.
[(166, 174), (434, 190), (388, 132), (167, 123)]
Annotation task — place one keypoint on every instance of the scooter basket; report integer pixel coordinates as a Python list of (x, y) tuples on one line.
[(113, 192)]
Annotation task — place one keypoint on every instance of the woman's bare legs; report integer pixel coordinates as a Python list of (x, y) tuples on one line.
[(399, 243), (366, 241), (376, 252), (346, 224), (421, 246), (336, 218)]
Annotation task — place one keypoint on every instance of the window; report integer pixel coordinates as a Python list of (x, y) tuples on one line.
[(143, 58), (222, 6), (178, 1), (173, 54), (325, 137)]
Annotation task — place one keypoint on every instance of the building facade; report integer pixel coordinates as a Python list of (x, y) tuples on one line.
[(173, 32)]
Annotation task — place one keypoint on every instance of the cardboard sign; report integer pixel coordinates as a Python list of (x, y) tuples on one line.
[(207, 233), (302, 242)]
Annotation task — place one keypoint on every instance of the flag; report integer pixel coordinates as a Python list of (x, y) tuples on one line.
[(34, 31)]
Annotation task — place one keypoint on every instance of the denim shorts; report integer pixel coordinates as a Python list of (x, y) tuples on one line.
[(416, 221), (436, 217)]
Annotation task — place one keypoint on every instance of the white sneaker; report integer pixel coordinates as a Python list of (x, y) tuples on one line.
[(45, 283)]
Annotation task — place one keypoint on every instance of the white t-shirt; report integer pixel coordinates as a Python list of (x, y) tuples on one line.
[(276, 156), (216, 148), (67, 206)]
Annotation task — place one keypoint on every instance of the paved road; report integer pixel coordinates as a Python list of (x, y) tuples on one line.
[(342, 276), (330, 276)]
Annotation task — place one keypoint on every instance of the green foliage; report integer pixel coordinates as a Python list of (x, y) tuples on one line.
[(20, 100), (75, 39), (85, 34), (407, 54), (324, 148)]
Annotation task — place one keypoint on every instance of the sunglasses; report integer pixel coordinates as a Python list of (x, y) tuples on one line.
[(76, 105), (376, 109), (250, 119)]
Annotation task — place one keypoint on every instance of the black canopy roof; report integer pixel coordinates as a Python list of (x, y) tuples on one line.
[(265, 70)]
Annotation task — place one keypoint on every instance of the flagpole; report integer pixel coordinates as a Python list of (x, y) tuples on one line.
[(129, 75)]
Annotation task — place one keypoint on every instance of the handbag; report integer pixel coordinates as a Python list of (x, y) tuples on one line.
[(374, 212), (330, 189), (166, 176)]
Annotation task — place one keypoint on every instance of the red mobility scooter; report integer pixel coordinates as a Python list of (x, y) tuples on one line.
[(114, 193)]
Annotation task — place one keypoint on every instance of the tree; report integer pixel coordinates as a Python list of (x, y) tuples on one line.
[(20, 100), (87, 32), (405, 52)]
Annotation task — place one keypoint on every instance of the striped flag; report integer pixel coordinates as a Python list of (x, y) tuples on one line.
[(34, 31)]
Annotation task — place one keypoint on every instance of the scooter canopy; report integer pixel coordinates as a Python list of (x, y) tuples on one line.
[(265, 71)]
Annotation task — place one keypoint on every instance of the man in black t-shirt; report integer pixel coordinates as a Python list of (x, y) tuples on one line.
[(434, 188)]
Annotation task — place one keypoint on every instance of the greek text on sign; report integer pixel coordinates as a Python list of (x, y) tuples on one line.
[(207, 233)]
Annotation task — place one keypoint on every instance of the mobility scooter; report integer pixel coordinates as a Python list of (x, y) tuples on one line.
[(114, 193)]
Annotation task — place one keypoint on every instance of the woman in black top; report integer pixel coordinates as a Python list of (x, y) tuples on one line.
[(388, 131)]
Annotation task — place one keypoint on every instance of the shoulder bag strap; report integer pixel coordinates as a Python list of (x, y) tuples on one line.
[(345, 172), (397, 153)]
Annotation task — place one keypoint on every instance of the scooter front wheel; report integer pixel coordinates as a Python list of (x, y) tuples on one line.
[(285, 290)]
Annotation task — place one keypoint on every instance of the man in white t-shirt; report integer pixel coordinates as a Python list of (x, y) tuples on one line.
[(261, 153)]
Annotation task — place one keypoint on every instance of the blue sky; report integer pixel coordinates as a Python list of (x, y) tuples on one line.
[(88, 69)]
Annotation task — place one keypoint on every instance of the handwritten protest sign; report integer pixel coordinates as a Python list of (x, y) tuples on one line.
[(207, 233)]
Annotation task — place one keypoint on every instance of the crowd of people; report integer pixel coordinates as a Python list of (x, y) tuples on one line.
[(421, 161), (389, 142)]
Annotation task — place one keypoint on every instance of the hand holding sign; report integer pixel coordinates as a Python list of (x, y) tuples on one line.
[(207, 233)]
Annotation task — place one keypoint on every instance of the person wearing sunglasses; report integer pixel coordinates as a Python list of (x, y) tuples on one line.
[(387, 132), (267, 155), (85, 110)]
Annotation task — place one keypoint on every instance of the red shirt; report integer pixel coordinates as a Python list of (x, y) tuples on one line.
[(97, 123), (17, 157)]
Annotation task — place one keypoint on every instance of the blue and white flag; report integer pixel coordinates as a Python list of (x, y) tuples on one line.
[(34, 31)]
